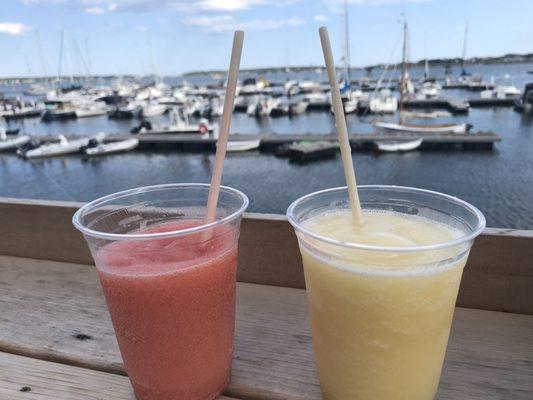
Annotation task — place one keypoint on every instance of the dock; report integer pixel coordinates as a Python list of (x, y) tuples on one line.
[(453, 105), (361, 142), (271, 143), (478, 103)]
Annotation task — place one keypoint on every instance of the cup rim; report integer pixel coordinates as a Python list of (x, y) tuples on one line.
[(391, 249), (76, 218)]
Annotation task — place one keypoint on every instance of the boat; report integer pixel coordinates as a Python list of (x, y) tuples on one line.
[(261, 108), (153, 110), (398, 145), (243, 145), (12, 110), (297, 107), (241, 104), (317, 101), (179, 123), (94, 148), (524, 104), (280, 107), (91, 110), (63, 110), (63, 147), (307, 86), (429, 90), (505, 89), (12, 143), (443, 128), (126, 111), (383, 103), (404, 89), (250, 87)]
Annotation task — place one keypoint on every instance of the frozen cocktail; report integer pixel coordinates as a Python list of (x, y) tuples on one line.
[(382, 292), (169, 283)]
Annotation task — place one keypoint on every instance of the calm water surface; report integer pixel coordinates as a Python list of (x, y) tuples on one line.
[(499, 182)]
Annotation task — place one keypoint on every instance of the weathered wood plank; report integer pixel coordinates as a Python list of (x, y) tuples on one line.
[(28, 378), (46, 304), (501, 261)]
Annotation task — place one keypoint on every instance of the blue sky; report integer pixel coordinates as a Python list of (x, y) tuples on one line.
[(189, 35)]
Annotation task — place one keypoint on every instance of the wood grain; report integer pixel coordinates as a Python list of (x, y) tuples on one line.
[(24, 378), (501, 261), (46, 304)]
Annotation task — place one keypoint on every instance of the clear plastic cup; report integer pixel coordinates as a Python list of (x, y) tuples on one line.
[(381, 315), (169, 282)]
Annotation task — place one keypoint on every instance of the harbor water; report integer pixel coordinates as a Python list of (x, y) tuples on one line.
[(499, 182)]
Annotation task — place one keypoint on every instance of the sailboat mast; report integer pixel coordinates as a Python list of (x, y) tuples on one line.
[(403, 79), (62, 38), (346, 42), (464, 49), (426, 63)]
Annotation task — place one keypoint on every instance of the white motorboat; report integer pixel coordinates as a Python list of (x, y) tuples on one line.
[(317, 101), (398, 146), (383, 103), (429, 90), (153, 110), (310, 86), (112, 147), (243, 145), (280, 107), (63, 110), (12, 143), (443, 128), (297, 107), (505, 89), (63, 147), (251, 86), (91, 110), (179, 123), (261, 108)]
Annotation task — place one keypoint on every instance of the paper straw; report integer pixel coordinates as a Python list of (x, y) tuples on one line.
[(225, 123), (342, 130)]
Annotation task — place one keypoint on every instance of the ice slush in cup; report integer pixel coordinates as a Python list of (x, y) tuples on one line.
[(381, 293), (169, 282)]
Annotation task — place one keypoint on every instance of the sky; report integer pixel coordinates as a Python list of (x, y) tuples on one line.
[(170, 37)]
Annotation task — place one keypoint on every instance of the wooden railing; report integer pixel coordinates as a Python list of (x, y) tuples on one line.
[(498, 276)]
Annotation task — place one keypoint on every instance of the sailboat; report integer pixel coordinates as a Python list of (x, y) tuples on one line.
[(423, 129)]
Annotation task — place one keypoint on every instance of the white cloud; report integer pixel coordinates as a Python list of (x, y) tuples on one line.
[(320, 18), (94, 10), (381, 2), (228, 5), (224, 23), (141, 28), (13, 28), (180, 5)]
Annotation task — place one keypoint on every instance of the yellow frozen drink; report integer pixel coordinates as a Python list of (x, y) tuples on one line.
[(382, 293)]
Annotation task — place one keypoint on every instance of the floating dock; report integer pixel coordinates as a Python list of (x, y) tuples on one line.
[(453, 105), (269, 143), (507, 102)]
